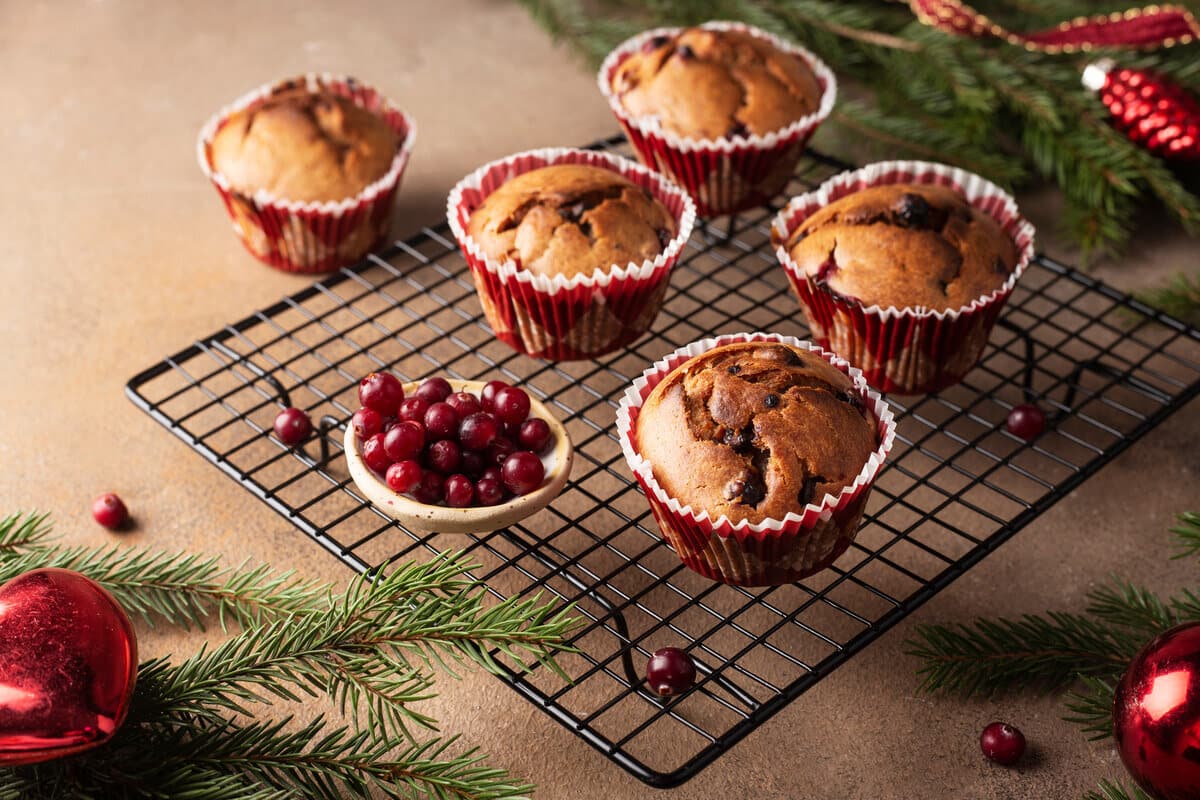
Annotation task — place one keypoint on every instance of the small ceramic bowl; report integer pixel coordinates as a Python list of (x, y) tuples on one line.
[(481, 519)]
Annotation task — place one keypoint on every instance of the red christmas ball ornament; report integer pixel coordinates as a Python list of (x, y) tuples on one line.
[(1156, 715), (68, 662), (1151, 109)]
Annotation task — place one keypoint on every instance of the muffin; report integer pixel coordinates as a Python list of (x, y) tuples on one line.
[(724, 108), (902, 268), (571, 219), (757, 453), (570, 250), (308, 169)]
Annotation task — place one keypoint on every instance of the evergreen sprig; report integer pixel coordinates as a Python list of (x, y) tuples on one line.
[(983, 104), (1115, 791), (203, 727)]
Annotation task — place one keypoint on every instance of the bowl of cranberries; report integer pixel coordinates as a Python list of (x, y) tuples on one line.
[(455, 456)]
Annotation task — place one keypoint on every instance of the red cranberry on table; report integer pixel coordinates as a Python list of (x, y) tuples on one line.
[(441, 421), (478, 430), (670, 671), (1002, 743), (404, 441), (1027, 421), (445, 456), (434, 390), (292, 426), (487, 395), (367, 422), (404, 476), (522, 472), (381, 392), (511, 405), (534, 434), (110, 511), (460, 492), (412, 408)]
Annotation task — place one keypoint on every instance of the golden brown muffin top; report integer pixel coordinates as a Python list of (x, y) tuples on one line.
[(304, 146), (755, 430), (906, 246), (571, 219), (711, 84)]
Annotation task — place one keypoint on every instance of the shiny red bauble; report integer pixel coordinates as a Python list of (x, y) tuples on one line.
[(1156, 715), (1151, 109), (1002, 743), (68, 662)]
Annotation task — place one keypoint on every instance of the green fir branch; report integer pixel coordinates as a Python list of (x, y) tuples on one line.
[(1116, 791), (23, 531), (1132, 607), (1091, 708), (1187, 534), (1180, 298)]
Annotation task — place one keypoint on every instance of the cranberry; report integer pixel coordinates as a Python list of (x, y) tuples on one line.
[(464, 404), (380, 391), (412, 408), (499, 450), (404, 441), (670, 671), (492, 472), (1027, 421), (431, 489), (109, 511), (511, 405), (487, 396), (534, 435), (522, 472), (374, 455), (292, 426), (1002, 743), (471, 463), (459, 491), (434, 390), (440, 421), (404, 476), (444, 455), (510, 430), (488, 491), (478, 430), (366, 423)]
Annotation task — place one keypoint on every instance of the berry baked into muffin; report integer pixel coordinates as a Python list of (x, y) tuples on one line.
[(759, 440), (724, 108), (570, 250), (902, 268), (308, 169)]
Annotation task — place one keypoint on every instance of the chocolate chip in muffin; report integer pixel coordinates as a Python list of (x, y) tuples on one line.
[(653, 43), (912, 211), (739, 440), (685, 52), (771, 400), (754, 492), (808, 489), (738, 129), (734, 369), (1000, 267), (854, 400), (664, 237)]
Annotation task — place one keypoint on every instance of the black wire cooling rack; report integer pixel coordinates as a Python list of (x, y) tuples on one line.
[(1107, 369)]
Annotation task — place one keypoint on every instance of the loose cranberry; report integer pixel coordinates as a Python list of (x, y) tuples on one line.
[(441, 422), (374, 455), (499, 450), (412, 408), (1027, 421), (109, 511), (434, 390), (670, 671), (487, 395), (478, 430), (404, 476), (444, 456), (1002, 743), (404, 441), (489, 491), (522, 472), (511, 405), (292, 426), (380, 391), (464, 404), (432, 488), (534, 435), (471, 463), (460, 492), (366, 423)]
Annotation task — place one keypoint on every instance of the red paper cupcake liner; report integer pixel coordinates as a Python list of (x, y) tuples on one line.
[(584, 316), (773, 551), (903, 350), (313, 237), (723, 176)]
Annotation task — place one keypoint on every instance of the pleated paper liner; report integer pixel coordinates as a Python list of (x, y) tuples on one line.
[(584, 316), (903, 350), (723, 176), (774, 551), (313, 237)]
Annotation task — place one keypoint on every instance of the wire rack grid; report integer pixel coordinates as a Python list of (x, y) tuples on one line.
[(957, 485)]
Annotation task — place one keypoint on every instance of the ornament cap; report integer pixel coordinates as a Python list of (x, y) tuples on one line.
[(1096, 74)]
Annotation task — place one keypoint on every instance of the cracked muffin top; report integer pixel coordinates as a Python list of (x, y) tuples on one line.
[(754, 430), (304, 146), (571, 219), (711, 84), (906, 246)]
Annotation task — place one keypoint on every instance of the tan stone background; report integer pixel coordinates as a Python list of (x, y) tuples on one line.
[(114, 251)]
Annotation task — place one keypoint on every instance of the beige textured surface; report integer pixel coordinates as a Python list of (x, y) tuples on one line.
[(114, 251)]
